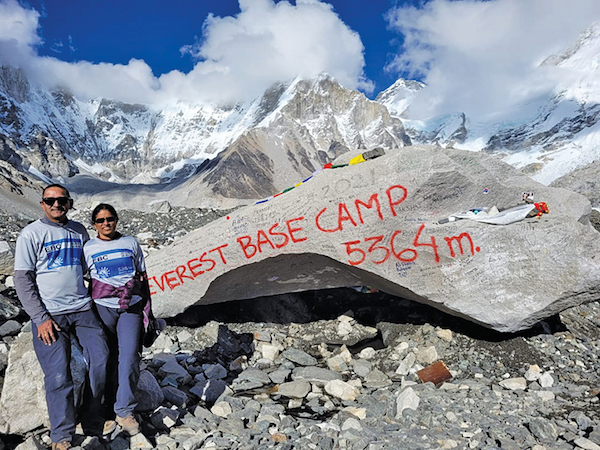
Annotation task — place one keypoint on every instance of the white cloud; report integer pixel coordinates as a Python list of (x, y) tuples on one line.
[(238, 57), (18, 33), (268, 42), (482, 57)]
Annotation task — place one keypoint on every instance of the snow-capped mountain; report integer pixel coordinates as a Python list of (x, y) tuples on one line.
[(301, 125), (398, 96), (558, 134)]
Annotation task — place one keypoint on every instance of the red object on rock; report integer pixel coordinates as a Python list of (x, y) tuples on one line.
[(437, 373)]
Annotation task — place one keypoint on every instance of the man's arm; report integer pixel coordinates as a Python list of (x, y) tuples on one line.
[(32, 304), (30, 297)]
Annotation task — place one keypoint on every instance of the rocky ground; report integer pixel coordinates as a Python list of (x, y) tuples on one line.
[(343, 369)]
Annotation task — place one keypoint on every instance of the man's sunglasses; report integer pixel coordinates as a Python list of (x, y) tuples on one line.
[(62, 201), (109, 219)]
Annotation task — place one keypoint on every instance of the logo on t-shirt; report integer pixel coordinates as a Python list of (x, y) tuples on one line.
[(63, 253), (113, 263)]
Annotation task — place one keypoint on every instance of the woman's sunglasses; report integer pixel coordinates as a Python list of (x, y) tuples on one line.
[(62, 201), (109, 219)]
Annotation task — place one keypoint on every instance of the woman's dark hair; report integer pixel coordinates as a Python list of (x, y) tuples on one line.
[(104, 206)]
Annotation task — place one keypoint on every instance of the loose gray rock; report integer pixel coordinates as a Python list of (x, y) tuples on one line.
[(10, 328), (175, 396), (7, 259), (543, 429), (8, 308), (294, 389), (315, 375), (149, 394), (209, 390), (299, 357)]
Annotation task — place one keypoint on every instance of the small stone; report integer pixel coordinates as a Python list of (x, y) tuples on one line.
[(342, 390), (545, 396), (428, 355), (184, 336), (7, 259), (278, 437), (9, 282), (193, 442), (351, 424), (315, 375), (294, 389), (344, 318), (163, 342), (586, 444), (139, 441), (164, 418), (232, 426), (514, 384), (406, 364), (344, 328), (445, 335), (583, 422), (280, 375), (214, 371), (269, 351), (175, 370), (221, 409), (435, 373), (407, 399), (367, 353), (360, 413), (543, 429), (377, 379), (10, 328), (361, 367), (253, 375), (337, 363), (546, 380), (175, 396), (262, 336), (451, 417), (299, 357), (294, 403), (533, 373), (238, 364)]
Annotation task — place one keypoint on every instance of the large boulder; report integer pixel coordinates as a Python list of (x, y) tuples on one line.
[(23, 400), (377, 224)]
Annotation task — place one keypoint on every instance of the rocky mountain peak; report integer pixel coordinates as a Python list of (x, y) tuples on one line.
[(13, 84)]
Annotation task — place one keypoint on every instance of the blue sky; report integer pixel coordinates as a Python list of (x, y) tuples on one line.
[(155, 31), (475, 56)]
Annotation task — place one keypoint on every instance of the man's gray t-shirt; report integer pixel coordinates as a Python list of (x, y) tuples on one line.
[(53, 252)]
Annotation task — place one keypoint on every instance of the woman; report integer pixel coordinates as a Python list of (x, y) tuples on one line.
[(120, 292)]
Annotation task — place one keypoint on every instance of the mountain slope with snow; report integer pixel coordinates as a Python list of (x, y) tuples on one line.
[(291, 130), (553, 136)]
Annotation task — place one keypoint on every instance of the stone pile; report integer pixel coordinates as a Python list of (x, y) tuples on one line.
[(339, 373), (330, 384)]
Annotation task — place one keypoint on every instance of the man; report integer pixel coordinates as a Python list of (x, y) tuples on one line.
[(49, 283)]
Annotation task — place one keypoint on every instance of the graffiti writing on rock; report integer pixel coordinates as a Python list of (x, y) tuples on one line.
[(379, 250), (192, 269), (401, 246), (275, 237)]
